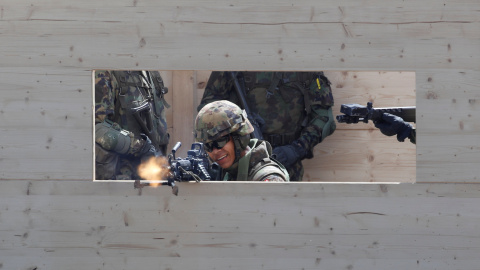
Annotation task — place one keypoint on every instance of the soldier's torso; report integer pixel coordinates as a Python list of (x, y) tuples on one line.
[(137, 94), (282, 107)]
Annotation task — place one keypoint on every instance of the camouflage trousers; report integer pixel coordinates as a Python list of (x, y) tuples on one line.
[(296, 171)]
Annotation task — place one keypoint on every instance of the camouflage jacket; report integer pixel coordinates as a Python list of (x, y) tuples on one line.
[(298, 108), (117, 92), (257, 165)]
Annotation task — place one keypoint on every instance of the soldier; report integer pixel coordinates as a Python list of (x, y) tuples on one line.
[(393, 125), (130, 123), (224, 130), (294, 110)]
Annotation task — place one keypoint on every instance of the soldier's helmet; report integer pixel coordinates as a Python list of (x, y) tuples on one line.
[(219, 118)]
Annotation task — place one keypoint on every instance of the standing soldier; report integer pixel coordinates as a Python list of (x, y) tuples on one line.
[(293, 110), (130, 122)]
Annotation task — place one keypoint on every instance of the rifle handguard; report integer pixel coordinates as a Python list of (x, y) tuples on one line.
[(354, 113)]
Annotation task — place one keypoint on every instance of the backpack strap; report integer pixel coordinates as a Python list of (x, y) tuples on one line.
[(124, 84), (244, 162), (273, 85), (159, 87)]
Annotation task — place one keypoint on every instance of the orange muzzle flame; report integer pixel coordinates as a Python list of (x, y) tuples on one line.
[(155, 168)]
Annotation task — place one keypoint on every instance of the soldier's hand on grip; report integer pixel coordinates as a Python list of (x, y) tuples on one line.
[(289, 154), (147, 150), (393, 125)]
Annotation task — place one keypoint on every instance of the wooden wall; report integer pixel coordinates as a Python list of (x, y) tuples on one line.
[(52, 216)]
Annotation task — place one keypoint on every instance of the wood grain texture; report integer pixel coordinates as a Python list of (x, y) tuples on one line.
[(183, 110), (243, 225), (48, 50)]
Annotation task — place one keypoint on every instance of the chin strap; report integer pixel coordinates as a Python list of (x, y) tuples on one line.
[(238, 148)]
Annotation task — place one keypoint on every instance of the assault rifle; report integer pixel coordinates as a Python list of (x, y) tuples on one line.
[(354, 113), (195, 166), (252, 117)]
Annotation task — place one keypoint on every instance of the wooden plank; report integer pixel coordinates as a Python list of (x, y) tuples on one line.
[(183, 111), (338, 45), (46, 123), (48, 51), (366, 226), (202, 77), (448, 118), (247, 11)]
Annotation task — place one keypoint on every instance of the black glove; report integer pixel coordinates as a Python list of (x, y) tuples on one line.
[(289, 154), (147, 150), (393, 125)]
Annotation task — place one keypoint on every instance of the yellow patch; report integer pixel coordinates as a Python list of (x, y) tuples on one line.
[(318, 84)]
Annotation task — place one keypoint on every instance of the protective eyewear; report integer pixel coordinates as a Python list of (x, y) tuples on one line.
[(219, 144)]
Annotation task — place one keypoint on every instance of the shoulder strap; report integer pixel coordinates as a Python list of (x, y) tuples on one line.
[(243, 163), (160, 89), (124, 84), (303, 83), (273, 85)]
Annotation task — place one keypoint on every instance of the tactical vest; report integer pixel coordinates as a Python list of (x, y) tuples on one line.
[(265, 167), (140, 105), (280, 92)]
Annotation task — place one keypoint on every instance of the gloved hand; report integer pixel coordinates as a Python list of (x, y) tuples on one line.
[(289, 154), (393, 125), (147, 149)]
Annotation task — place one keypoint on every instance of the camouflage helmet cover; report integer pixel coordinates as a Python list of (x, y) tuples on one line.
[(219, 118)]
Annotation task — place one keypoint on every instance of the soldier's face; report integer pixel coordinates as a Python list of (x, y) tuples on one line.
[(224, 156)]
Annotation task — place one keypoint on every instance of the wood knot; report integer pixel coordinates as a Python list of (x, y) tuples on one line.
[(432, 95), (201, 85)]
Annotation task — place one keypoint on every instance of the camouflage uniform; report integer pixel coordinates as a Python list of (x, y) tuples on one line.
[(132, 103), (261, 166), (295, 107), (221, 118)]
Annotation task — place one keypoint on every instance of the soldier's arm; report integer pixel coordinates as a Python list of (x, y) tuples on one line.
[(273, 178), (218, 87), (105, 87), (321, 122), (104, 95)]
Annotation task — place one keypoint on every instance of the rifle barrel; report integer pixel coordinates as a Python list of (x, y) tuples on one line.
[(408, 114)]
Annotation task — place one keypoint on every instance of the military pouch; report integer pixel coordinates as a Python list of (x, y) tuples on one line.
[(105, 163), (330, 125), (111, 137)]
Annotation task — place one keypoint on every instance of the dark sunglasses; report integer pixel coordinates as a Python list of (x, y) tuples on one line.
[(219, 143)]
